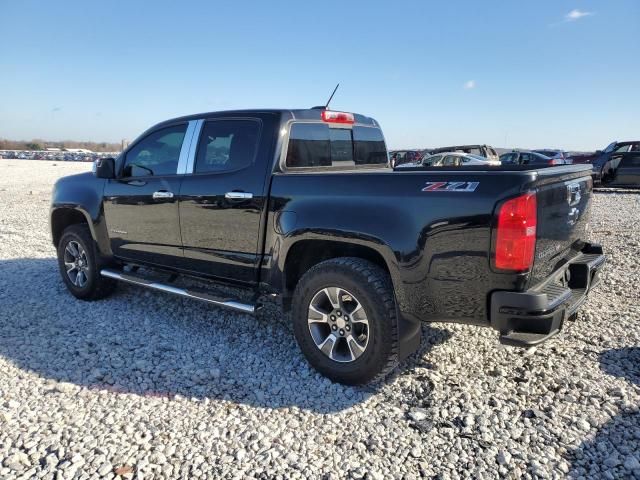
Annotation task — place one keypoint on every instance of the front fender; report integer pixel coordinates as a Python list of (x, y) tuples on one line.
[(83, 194)]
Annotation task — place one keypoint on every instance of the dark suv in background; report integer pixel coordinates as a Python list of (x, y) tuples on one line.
[(618, 164), (526, 158), (561, 157)]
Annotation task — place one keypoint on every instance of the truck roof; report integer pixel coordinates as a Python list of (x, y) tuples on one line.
[(294, 114)]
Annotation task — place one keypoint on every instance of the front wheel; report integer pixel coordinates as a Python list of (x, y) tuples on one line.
[(80, 265), (344, 320)]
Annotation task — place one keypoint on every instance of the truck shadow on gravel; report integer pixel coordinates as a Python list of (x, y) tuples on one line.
[(614, 452), (153, 344)]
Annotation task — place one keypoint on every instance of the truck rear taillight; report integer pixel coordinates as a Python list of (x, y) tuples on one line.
[(330, 116), (516, 234)]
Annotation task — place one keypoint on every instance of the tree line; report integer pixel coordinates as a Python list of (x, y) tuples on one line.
[(39, 144)]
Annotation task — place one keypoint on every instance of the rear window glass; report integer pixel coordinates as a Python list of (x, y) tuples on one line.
[(317, 145), (369, 147)]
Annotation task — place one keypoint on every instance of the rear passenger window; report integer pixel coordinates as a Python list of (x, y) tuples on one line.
[(450, 160), (227, 145), (318, 145)]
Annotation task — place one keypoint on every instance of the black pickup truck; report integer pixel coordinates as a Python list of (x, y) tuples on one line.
[(299, 206)]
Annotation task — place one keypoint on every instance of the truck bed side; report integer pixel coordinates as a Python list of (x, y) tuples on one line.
[(436, 243)]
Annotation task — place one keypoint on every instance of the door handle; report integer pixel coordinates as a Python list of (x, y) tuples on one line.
[(238, 195), (162, 194)]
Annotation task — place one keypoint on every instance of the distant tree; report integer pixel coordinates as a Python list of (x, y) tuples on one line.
[(40, 144)]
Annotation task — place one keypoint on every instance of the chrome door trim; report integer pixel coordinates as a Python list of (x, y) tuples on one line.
[(191, 157), (186, 148)]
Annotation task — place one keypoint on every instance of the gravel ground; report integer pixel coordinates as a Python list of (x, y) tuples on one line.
[(147, 385)]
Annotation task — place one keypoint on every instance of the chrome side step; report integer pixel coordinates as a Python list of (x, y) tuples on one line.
[(198, 295)]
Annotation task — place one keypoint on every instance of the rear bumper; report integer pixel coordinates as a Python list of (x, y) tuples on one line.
[(529, 318)]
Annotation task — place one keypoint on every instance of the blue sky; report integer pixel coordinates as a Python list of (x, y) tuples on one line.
[(527, 74)]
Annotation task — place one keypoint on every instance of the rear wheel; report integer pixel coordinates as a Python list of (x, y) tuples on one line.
[(345, 322), (80, 264)]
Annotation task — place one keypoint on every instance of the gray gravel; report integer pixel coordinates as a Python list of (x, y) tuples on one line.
[(152, 386)]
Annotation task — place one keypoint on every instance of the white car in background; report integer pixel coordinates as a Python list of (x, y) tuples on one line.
[(452, 159)]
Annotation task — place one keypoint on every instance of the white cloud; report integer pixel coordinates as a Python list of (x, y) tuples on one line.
[(469, 85), (576, 14)]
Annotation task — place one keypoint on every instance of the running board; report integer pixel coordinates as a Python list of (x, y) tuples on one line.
[(198, 295)]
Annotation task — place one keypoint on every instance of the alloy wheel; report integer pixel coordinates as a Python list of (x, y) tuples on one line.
[(76, 264), (338, 324)]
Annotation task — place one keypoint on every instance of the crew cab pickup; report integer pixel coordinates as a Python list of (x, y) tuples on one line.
[(300, 207)]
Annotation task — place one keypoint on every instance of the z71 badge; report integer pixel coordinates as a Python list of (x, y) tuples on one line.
[(450, 186)]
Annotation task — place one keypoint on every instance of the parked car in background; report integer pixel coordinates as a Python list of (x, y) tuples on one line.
[(560, 155), (619, 167), (481, 150), (590, 157), (452, 159), (527, 158), (399, 157), (618, 155)]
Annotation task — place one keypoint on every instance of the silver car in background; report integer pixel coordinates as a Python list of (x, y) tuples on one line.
[(451, 159)]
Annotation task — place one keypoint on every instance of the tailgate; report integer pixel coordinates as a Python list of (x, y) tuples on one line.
[(564, 199)]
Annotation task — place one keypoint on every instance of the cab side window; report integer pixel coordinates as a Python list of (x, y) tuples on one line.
[(156, 154), (227, 145)]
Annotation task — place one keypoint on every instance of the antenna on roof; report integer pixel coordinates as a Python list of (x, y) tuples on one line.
[(326, 107)]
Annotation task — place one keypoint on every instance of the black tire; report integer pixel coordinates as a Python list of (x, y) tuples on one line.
[(372, 287), (96, 286)]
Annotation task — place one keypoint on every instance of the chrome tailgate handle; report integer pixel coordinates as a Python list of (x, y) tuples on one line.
[(238, 195), (162, 194)]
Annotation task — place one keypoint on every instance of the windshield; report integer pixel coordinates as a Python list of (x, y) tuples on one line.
[(477, 157)]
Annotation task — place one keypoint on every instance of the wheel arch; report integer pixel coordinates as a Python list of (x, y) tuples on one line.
[(305, 253), (63, 217)]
